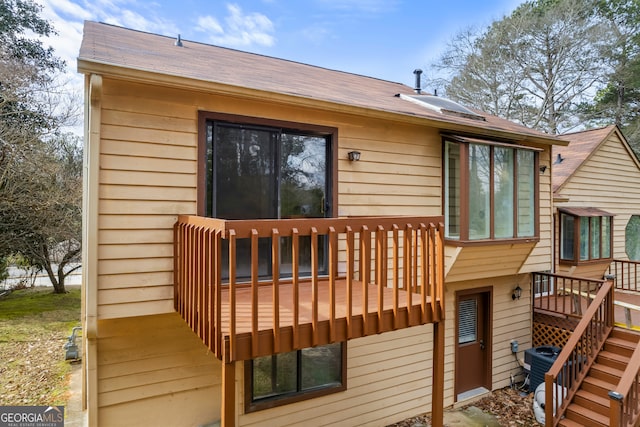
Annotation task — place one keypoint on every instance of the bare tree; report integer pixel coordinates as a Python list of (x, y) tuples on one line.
[(534, 66), (40, 165)]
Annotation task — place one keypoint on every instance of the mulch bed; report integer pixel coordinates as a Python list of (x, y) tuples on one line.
[(510, 407)]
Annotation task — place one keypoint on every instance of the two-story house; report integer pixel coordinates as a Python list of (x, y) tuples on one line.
[(272, 243)]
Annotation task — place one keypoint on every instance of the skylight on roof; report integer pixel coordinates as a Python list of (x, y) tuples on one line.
[(442, 105)]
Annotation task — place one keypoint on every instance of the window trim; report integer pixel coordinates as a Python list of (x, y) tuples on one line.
[(580, 214), (332, 160), (251, 406), (463, 239)]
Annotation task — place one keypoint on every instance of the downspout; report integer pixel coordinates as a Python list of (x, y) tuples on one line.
[(91, 160)]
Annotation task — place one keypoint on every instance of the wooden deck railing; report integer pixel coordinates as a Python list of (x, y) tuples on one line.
[(557, 293), (574, 361), (625, 399), (625, 274), (399, 259)]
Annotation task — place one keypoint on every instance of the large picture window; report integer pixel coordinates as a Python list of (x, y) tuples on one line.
[(287, 377), (491, 190), (585, 235), (258, 169)]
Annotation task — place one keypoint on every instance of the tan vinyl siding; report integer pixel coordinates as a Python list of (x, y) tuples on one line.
[(398, 174), (477, 262), (148, 175), (389, 379), (540, 257), (608, 180), (149, 366)]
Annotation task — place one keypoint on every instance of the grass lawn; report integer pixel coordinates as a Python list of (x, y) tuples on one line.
[(34, 326)]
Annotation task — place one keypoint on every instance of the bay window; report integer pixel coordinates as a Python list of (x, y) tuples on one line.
[(585, 235), (491, 190)]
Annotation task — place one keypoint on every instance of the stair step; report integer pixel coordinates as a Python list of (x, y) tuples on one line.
[(606, 373), (592, 401), (586, 416), (612, 359), (597, 386), (620, 346), (566, 422), (625, 334)]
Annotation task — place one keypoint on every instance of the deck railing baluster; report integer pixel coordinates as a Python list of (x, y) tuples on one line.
[(207, 285), (396, 273), (295, 277), (381, 269), (350, 241), (217, 281), (365, 274), (232, 295), (254, 292), (407, 269), (314, 285), (424, 271), (333, 270), (275, 285)]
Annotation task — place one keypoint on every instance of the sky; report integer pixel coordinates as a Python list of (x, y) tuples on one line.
[(386, 39)]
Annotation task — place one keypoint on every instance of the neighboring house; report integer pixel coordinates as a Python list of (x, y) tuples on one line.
[(596, 192), (177, 132)]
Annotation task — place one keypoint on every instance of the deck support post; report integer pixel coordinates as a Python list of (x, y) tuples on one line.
[(228, 412), (437, 386), (228, 401)]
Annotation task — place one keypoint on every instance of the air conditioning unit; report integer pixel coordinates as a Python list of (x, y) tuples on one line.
[(540, 359)]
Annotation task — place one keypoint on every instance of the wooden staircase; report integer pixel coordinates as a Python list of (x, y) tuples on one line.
[(590, 405)]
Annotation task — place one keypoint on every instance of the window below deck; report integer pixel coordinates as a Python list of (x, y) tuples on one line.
[(490, 191), (585, 235), (298, 375), (254, 168)]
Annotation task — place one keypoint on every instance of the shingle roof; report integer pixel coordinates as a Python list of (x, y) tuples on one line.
[(581, 146), (110, 45)]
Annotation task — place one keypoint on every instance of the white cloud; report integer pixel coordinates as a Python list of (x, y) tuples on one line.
[(68, 8), (240, 29), (209, 24)]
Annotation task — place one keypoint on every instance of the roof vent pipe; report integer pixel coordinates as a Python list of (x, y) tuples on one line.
[(178, 41), (417, 88)]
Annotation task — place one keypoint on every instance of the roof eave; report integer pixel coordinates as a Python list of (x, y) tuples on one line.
[(88, 66)]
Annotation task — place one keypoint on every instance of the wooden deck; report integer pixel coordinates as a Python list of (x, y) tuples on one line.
[(392, 278), (569, 296), (301, 334), (566, 305)]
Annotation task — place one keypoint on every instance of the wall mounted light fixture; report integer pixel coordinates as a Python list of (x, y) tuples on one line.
[(354, 156), (543, 168), (517, 293)]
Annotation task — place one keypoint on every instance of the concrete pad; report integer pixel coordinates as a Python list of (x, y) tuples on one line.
[(470, 416), (74, 416)]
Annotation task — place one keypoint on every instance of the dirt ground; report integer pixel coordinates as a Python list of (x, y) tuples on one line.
[(510, 408), (33, 330)]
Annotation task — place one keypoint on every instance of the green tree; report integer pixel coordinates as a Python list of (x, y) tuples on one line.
[(40, 165), (619, 101)]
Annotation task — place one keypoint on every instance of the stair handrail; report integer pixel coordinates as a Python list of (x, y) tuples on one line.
[(574, 361), (625, 400)]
